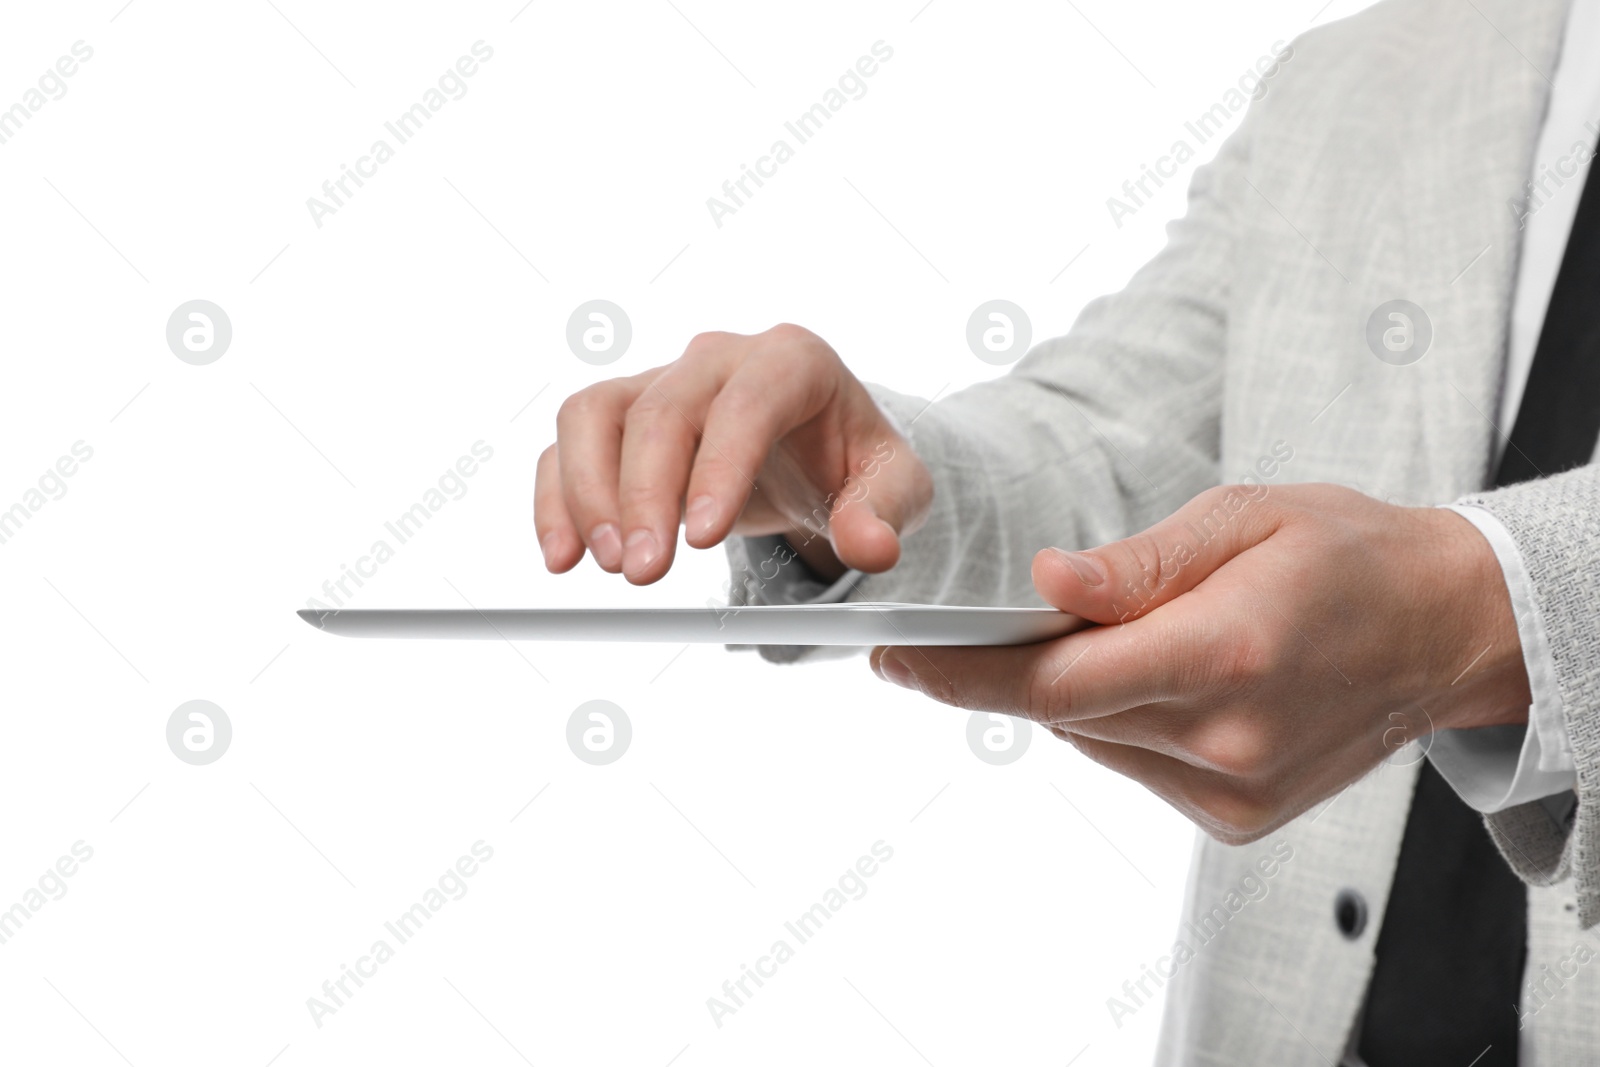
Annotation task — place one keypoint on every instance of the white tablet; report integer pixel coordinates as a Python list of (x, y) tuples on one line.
[(806, 624)]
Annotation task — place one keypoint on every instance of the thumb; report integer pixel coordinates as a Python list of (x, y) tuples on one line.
[(1129, 578), (886, 496)]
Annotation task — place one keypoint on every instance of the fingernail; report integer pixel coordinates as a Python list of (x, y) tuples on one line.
[(702, 511), (606, 545), (545, 543), (642, 550), (1090, 571), (891, 668)]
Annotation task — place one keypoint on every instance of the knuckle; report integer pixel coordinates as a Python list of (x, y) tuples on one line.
[(789, 332), (1234, 746), (585, 496), (648, 406), (938, 686), (1042, 700), (1227, 498), (653, 420), (1240, 816), (571, 409), (740, 405), (1218, 503), (712, 473), (737, 398), (1232, 839), (1221, 508), (1141, 563), (640, 497), (580, 407), (703, 346), (1237, 658)]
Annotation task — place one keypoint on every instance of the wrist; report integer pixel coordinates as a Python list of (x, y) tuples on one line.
[(1488, 683)]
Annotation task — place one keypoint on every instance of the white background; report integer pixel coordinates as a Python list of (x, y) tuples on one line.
[(425, 315)]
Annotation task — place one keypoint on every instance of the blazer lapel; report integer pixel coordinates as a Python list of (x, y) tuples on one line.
[(1465, 154)]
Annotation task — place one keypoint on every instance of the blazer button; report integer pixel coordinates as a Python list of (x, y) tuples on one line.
[(1350, 913)]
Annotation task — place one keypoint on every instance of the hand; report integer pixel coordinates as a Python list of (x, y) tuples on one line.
[(761, 434), (1265, 647)]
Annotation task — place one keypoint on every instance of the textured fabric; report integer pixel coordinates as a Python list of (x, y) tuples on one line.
[(1566, 143), (1499, 767), (1450, 952), (1556, 523), (1385, 161)]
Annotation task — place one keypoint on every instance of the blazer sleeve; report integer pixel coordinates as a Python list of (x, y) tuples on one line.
[(1555, 522), (1092, 436)]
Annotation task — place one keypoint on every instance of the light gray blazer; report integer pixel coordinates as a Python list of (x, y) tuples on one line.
[(1381, 162)]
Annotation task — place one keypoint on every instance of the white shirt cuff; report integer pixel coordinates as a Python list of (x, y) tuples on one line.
[(1498, 767)]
